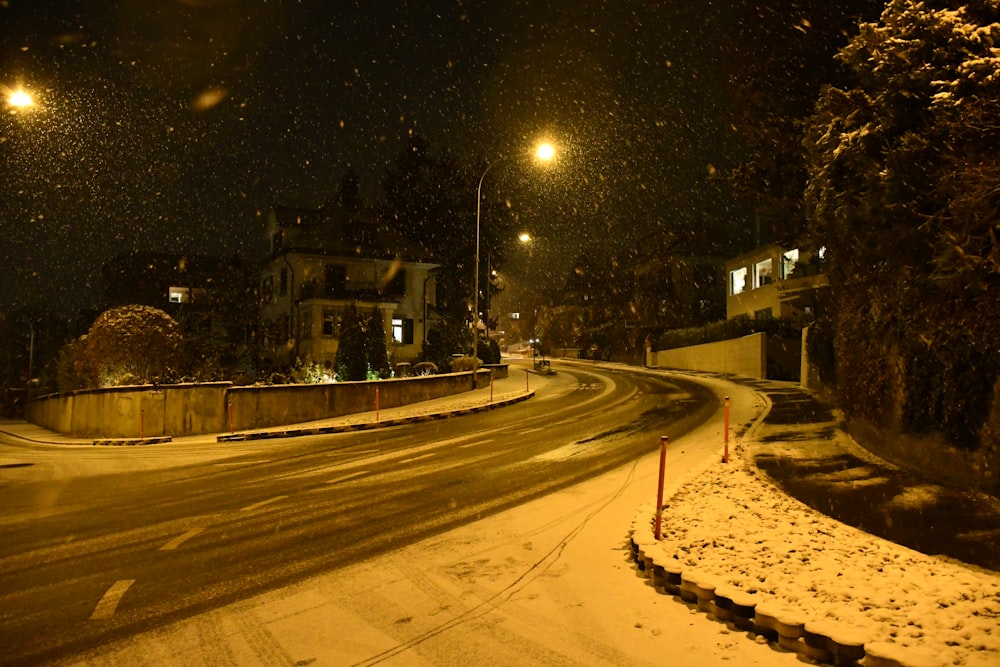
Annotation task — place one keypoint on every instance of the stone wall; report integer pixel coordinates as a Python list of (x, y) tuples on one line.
[(192, 409), (741, 356)]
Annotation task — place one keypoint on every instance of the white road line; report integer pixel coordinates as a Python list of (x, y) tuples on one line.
[(181, 539), (531, 430), (477, 443), (344, 478), (109, 603), (241, 463), (417, 458), (250, 508)]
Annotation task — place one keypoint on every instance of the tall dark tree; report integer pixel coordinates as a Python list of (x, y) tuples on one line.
[(902, 192), (351, 360), (376, 352), (431, 200), (786, 52)]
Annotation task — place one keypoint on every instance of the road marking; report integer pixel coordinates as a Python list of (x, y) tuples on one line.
[(255, 506), (416, 458), (477, 443), (344, 478), (241, 463), (531, 430), (181, 539), (105, 609)]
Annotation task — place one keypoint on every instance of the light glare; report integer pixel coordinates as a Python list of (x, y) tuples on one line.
[(20, 99), (545, 151)]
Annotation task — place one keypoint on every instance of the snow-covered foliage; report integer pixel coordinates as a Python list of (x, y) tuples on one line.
[(129, 345), (902, 191)]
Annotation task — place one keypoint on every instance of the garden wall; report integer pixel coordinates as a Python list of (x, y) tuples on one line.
[(741, 356), (193, 409)]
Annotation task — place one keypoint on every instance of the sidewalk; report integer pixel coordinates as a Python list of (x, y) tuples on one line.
[(783, 553)]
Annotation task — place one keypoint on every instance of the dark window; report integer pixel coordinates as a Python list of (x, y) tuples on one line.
[(283, 283), (331, 323), (336, 279), (397, 286)]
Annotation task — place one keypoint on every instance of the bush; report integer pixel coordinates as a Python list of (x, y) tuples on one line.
[(464, 364), (489, 351)]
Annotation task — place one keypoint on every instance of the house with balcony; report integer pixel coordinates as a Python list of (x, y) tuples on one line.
[(322, 261), (776, 282)]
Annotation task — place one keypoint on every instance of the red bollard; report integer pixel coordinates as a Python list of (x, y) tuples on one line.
[(229, 407), (526, 380), (142, 424), (491, 387), (659, 488), (376, 403), (725, 454)]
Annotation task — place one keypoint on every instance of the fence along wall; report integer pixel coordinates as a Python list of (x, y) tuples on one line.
[(194, 409)]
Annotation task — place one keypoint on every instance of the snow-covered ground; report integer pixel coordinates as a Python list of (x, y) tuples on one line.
[(731, 528)]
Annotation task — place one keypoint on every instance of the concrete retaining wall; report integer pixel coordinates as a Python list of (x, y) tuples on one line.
[(741, 356), (192, 409)]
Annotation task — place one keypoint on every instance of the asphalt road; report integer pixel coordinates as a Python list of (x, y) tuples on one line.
[(89, 558)]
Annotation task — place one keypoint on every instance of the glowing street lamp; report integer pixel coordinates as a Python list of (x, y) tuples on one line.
[(544, 152), (20, 99)]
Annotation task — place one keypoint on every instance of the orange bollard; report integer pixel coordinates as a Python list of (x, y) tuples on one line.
[(229, 407), (142, 424), (725, 437), (659, 488), (526, 380), (491, 387), (376, 403)]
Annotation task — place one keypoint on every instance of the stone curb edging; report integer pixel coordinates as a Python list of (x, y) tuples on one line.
[(129, 442), (364, 426), (823, 641)]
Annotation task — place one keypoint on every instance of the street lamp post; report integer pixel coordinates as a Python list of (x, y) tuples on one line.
[(543, 152)]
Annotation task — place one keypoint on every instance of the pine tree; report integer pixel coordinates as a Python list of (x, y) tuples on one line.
[(351, 360), (376, 352)]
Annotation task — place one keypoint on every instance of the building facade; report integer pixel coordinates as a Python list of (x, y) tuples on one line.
[(775, 282), (323, 261)]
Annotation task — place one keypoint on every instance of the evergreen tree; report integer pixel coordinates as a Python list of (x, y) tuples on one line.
[(351, 360), (902, 192), (376, 352)]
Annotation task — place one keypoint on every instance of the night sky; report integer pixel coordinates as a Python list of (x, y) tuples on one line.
[(174, 125)]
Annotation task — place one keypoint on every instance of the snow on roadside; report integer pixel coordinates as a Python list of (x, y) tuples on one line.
[(731, 523)]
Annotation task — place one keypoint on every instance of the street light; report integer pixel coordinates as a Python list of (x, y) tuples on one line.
[(20, 99), (544, 152)]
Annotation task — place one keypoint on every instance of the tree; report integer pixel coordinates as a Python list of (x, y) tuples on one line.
[(129, 345), (376, 352), (902, 193), (786, 52), (351, 359)]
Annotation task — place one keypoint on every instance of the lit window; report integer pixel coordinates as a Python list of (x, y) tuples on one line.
[(179, 294), (788, 262), (738, 280), (402, 330), (762, 273), (515, 316)]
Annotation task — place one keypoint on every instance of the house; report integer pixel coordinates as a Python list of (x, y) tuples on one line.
[(323, 260), (775, 282)]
